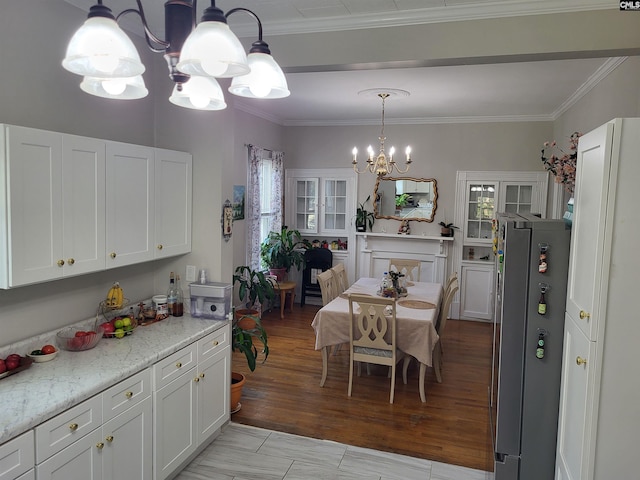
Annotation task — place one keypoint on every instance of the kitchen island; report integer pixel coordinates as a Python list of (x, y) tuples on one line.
[(45, 390)]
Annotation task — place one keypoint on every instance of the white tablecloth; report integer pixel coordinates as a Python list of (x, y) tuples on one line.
[(416, 332)]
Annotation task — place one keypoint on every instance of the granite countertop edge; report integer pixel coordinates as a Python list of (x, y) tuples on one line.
[(44, 390)]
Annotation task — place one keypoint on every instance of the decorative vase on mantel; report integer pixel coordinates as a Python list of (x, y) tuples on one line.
[(568, 215)]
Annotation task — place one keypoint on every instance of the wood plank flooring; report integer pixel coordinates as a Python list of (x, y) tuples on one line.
[(284, 394)]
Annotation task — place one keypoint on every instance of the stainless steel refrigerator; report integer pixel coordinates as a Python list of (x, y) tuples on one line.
[(532, 256)]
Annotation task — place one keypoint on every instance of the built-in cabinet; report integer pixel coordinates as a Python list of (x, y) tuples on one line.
[(76, 205), (191, 400), (479, 196), (17, 458), (599, 419), (321, 205)]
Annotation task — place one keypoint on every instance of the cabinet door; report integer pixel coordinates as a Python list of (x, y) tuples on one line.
[(214, 381), (305, 207), (83, 192), (588, 230), (17, 456), (517, 197), (127, 439), (173, 179), (480, 210), (34, 173), (129, 209), (174, 424), (577, 418), (476, 291), (79, 461), (334, 206)]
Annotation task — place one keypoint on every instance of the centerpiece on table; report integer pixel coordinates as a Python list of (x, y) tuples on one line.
[(395, 287)]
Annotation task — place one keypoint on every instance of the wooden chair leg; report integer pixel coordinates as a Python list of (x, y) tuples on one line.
[(325, 354), (393, 382), (437, 367), (405, 368), (351, 375)]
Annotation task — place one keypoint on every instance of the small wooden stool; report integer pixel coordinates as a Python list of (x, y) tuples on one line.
[(286, 288)]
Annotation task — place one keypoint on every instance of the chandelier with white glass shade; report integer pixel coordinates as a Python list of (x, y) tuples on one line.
[(196, 53), (382, 164)]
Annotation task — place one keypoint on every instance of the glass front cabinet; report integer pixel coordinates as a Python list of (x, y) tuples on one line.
[(479, 196)]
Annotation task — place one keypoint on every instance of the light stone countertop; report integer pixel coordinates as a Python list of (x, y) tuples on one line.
[(46, 389)]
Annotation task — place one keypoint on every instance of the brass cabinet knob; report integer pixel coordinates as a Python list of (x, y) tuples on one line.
[(128, 394), (60, 263), (215, 343), (112, 254), (71, 261), (584, 315), (159, 246), (110, 438), (581, 361), (202, 375), (100, 445), (196, 379), (73, 427), (178, 365)]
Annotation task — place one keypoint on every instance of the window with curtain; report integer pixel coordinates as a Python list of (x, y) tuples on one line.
[(264, 194)]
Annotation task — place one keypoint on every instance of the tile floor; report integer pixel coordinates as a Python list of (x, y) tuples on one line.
[(247, 453)]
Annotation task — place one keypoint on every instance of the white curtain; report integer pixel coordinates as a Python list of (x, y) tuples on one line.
[(265, 194)]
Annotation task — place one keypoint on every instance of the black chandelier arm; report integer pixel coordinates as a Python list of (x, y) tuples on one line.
[(150, 38), (259, 46)]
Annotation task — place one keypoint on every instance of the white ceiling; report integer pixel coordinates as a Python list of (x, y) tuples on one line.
[(522, 91)]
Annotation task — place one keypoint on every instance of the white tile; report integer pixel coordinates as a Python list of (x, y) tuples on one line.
[(235, 435), (306, 471), (305, 449), (444, 471), (388, 465), (243, 464)]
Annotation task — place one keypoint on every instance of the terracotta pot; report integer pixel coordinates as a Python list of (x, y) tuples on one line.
[(237, 382), (243, 316), (279, 273)]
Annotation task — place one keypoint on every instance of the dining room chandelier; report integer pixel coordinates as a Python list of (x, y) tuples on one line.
[(196, 53), (382, 164)]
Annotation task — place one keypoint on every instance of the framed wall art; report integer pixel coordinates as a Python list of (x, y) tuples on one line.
[(238, 202), (227, 220)]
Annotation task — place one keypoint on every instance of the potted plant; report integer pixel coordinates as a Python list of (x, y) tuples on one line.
[(402, 200), (254, 290), (364, 217), (447, 229), (282, 250), (243, 341)]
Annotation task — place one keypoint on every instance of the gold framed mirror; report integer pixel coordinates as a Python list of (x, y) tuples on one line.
[(405, 198)]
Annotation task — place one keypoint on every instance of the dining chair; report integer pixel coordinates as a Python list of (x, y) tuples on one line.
[(316, 260), (340, 276), (442, 320), (328, 286), (406, 266), (371, 320)]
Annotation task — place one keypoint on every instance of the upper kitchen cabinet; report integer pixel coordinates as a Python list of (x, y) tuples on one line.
[(130, 204), (173, 177), (53, 194)]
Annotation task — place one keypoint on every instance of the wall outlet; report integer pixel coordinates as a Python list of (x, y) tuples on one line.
[(191, 273)]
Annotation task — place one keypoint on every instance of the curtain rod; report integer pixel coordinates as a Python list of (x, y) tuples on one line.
[(251, 145)]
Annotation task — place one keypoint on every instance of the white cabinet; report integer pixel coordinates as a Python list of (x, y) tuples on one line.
[(17, 457), (191, 400), (106, 437), (599, 415), (173, 177), (129, 207), (476, 297), (54, 197), (479, 196)]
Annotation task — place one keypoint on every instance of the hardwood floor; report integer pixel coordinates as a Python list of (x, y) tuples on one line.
[(284, 394)]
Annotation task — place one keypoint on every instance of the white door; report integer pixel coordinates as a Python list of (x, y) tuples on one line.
[(576, 421), (81, 460), (35, 213), (587, 237), (172, 203), (477, 291), (127, 439), (83, 192), (130, 195)]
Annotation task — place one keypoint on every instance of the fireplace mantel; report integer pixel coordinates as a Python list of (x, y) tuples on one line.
[(375, 249)]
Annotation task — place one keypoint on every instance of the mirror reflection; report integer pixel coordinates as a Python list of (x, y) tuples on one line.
[(405, 198)]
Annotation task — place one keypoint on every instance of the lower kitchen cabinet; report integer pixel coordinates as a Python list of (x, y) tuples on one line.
[(476, 292), (79, 461), (17, 458), (191, 400)]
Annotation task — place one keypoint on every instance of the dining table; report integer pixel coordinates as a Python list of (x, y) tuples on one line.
[(416, 315)]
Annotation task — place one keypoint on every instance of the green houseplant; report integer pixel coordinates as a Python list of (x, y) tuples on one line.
[(364, 217), (282, 250), (447, 229), (254, 287)]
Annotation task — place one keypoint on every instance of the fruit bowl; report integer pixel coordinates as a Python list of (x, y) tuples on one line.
[(118, 327), (76, 339), (43, 357)]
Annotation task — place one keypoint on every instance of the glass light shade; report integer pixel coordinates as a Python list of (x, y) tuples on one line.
[(122, 88), (265, 80), (199, 93), (99, 48), (212, 50)]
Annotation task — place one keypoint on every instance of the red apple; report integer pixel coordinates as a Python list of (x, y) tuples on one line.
[(12, 363), (3, 367), (108, 327), (13, 356)]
